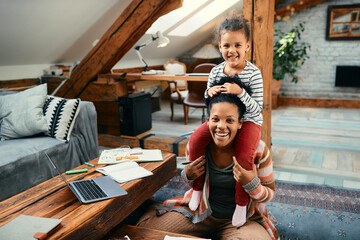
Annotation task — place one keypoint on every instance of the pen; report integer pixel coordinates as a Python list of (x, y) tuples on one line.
[(89, 164), (185, 163), (139, 153), (83, 170)]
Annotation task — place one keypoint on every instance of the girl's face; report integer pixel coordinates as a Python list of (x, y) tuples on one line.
[(233, 46), (224, 123)]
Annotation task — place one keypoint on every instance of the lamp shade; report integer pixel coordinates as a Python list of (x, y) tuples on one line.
[(162, 41), (207, 52)]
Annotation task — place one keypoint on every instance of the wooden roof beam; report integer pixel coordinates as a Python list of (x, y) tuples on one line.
[(295, 7), (130, 26)]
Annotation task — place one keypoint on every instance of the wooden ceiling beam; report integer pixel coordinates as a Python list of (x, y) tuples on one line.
[(130, 26), (295, 7)]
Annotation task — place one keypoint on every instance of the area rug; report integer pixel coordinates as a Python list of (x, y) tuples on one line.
[(301, 211)]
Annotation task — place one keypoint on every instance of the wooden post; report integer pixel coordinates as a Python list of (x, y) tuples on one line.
[(260, 14), (116, 42)]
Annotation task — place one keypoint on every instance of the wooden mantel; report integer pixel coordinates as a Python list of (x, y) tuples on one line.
[(116, 42)]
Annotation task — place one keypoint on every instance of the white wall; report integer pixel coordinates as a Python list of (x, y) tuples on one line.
[(37, 33), (22, 71), (319, 71)]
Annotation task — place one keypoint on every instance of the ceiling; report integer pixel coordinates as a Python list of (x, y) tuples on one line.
[(61, 32)]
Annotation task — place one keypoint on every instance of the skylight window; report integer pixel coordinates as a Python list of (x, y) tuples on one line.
[(169, 20), (201, 17)]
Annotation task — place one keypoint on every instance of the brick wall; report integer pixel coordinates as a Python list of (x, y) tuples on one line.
[(319, 70)]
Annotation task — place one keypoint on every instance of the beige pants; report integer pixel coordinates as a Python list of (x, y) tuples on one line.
[(209, 228)]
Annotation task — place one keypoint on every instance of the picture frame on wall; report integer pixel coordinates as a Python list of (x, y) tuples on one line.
[(343, 22)]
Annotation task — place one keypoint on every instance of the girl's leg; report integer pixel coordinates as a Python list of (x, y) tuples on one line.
[(197, 144), (246, 141)]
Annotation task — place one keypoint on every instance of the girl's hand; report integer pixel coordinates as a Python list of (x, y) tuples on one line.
[(196, 168), (242, 175), (231, 88), (214, 90)]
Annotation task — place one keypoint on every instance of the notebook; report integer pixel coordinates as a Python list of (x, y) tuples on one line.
[(92, 190), (124, 172), (31, 227)]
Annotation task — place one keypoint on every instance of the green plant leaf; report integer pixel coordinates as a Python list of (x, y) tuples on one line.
[(289, 53)]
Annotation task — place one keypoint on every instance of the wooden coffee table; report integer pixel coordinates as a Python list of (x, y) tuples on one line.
[(53, 199)]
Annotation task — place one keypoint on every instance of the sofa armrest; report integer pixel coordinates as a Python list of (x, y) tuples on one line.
[(85, 134)]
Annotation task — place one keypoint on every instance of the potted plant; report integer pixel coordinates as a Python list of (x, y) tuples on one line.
[(289, 54)]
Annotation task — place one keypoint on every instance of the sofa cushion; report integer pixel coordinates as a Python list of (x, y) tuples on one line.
[(22, 113), (61, 114)]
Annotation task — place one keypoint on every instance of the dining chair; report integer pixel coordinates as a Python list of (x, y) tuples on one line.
[(178, 88), (195, 97)]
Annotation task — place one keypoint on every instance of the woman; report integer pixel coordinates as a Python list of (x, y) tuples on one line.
[(213, 218)]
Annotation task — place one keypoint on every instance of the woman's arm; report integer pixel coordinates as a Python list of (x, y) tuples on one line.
[(262, 188), (259, 182), (194, 169)]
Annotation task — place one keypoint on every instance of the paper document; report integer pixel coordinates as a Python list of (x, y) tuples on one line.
[(119, 155), (124, 172)]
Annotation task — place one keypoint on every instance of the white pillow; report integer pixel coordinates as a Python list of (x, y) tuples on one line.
[(21, 114), (61, 114)]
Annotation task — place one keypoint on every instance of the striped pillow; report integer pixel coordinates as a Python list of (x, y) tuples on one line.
[(61, 114)]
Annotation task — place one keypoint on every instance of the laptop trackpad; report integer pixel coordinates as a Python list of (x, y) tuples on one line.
[(109, 186)]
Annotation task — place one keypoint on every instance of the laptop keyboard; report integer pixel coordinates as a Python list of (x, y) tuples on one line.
[(89, 189)]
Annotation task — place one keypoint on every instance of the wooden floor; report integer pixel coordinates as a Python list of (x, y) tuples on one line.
[(310, 145)]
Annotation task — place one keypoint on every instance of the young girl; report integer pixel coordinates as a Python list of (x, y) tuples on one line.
[(234, 35)]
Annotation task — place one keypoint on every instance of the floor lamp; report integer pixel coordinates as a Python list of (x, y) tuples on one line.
[(161, 42)]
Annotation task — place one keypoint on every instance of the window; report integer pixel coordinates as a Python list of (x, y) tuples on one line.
[(190, 17)]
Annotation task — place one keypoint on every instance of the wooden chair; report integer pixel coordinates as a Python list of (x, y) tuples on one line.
[(196, 91), (178, 88)]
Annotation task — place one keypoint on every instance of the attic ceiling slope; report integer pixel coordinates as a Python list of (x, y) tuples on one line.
[(122, 35), (51, 31)]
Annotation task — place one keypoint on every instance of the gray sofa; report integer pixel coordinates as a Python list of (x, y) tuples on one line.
[(23, 163)]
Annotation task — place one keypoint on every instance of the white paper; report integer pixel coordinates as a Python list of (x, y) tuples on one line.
[(124, 172)]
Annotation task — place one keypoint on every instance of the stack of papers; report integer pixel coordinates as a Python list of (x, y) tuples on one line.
[(119, 155), (124, 172)]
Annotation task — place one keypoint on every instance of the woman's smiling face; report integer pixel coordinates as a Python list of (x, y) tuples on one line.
[(224, 123)]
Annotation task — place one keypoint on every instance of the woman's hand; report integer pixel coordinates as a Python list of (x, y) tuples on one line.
[(213, 91), (242, 175), (196, 168), (231, 88)]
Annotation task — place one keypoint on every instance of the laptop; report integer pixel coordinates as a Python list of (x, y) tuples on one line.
[(92, 190)]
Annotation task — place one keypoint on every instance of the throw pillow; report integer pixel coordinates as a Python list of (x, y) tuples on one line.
[(61, 114), (22, 113)]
